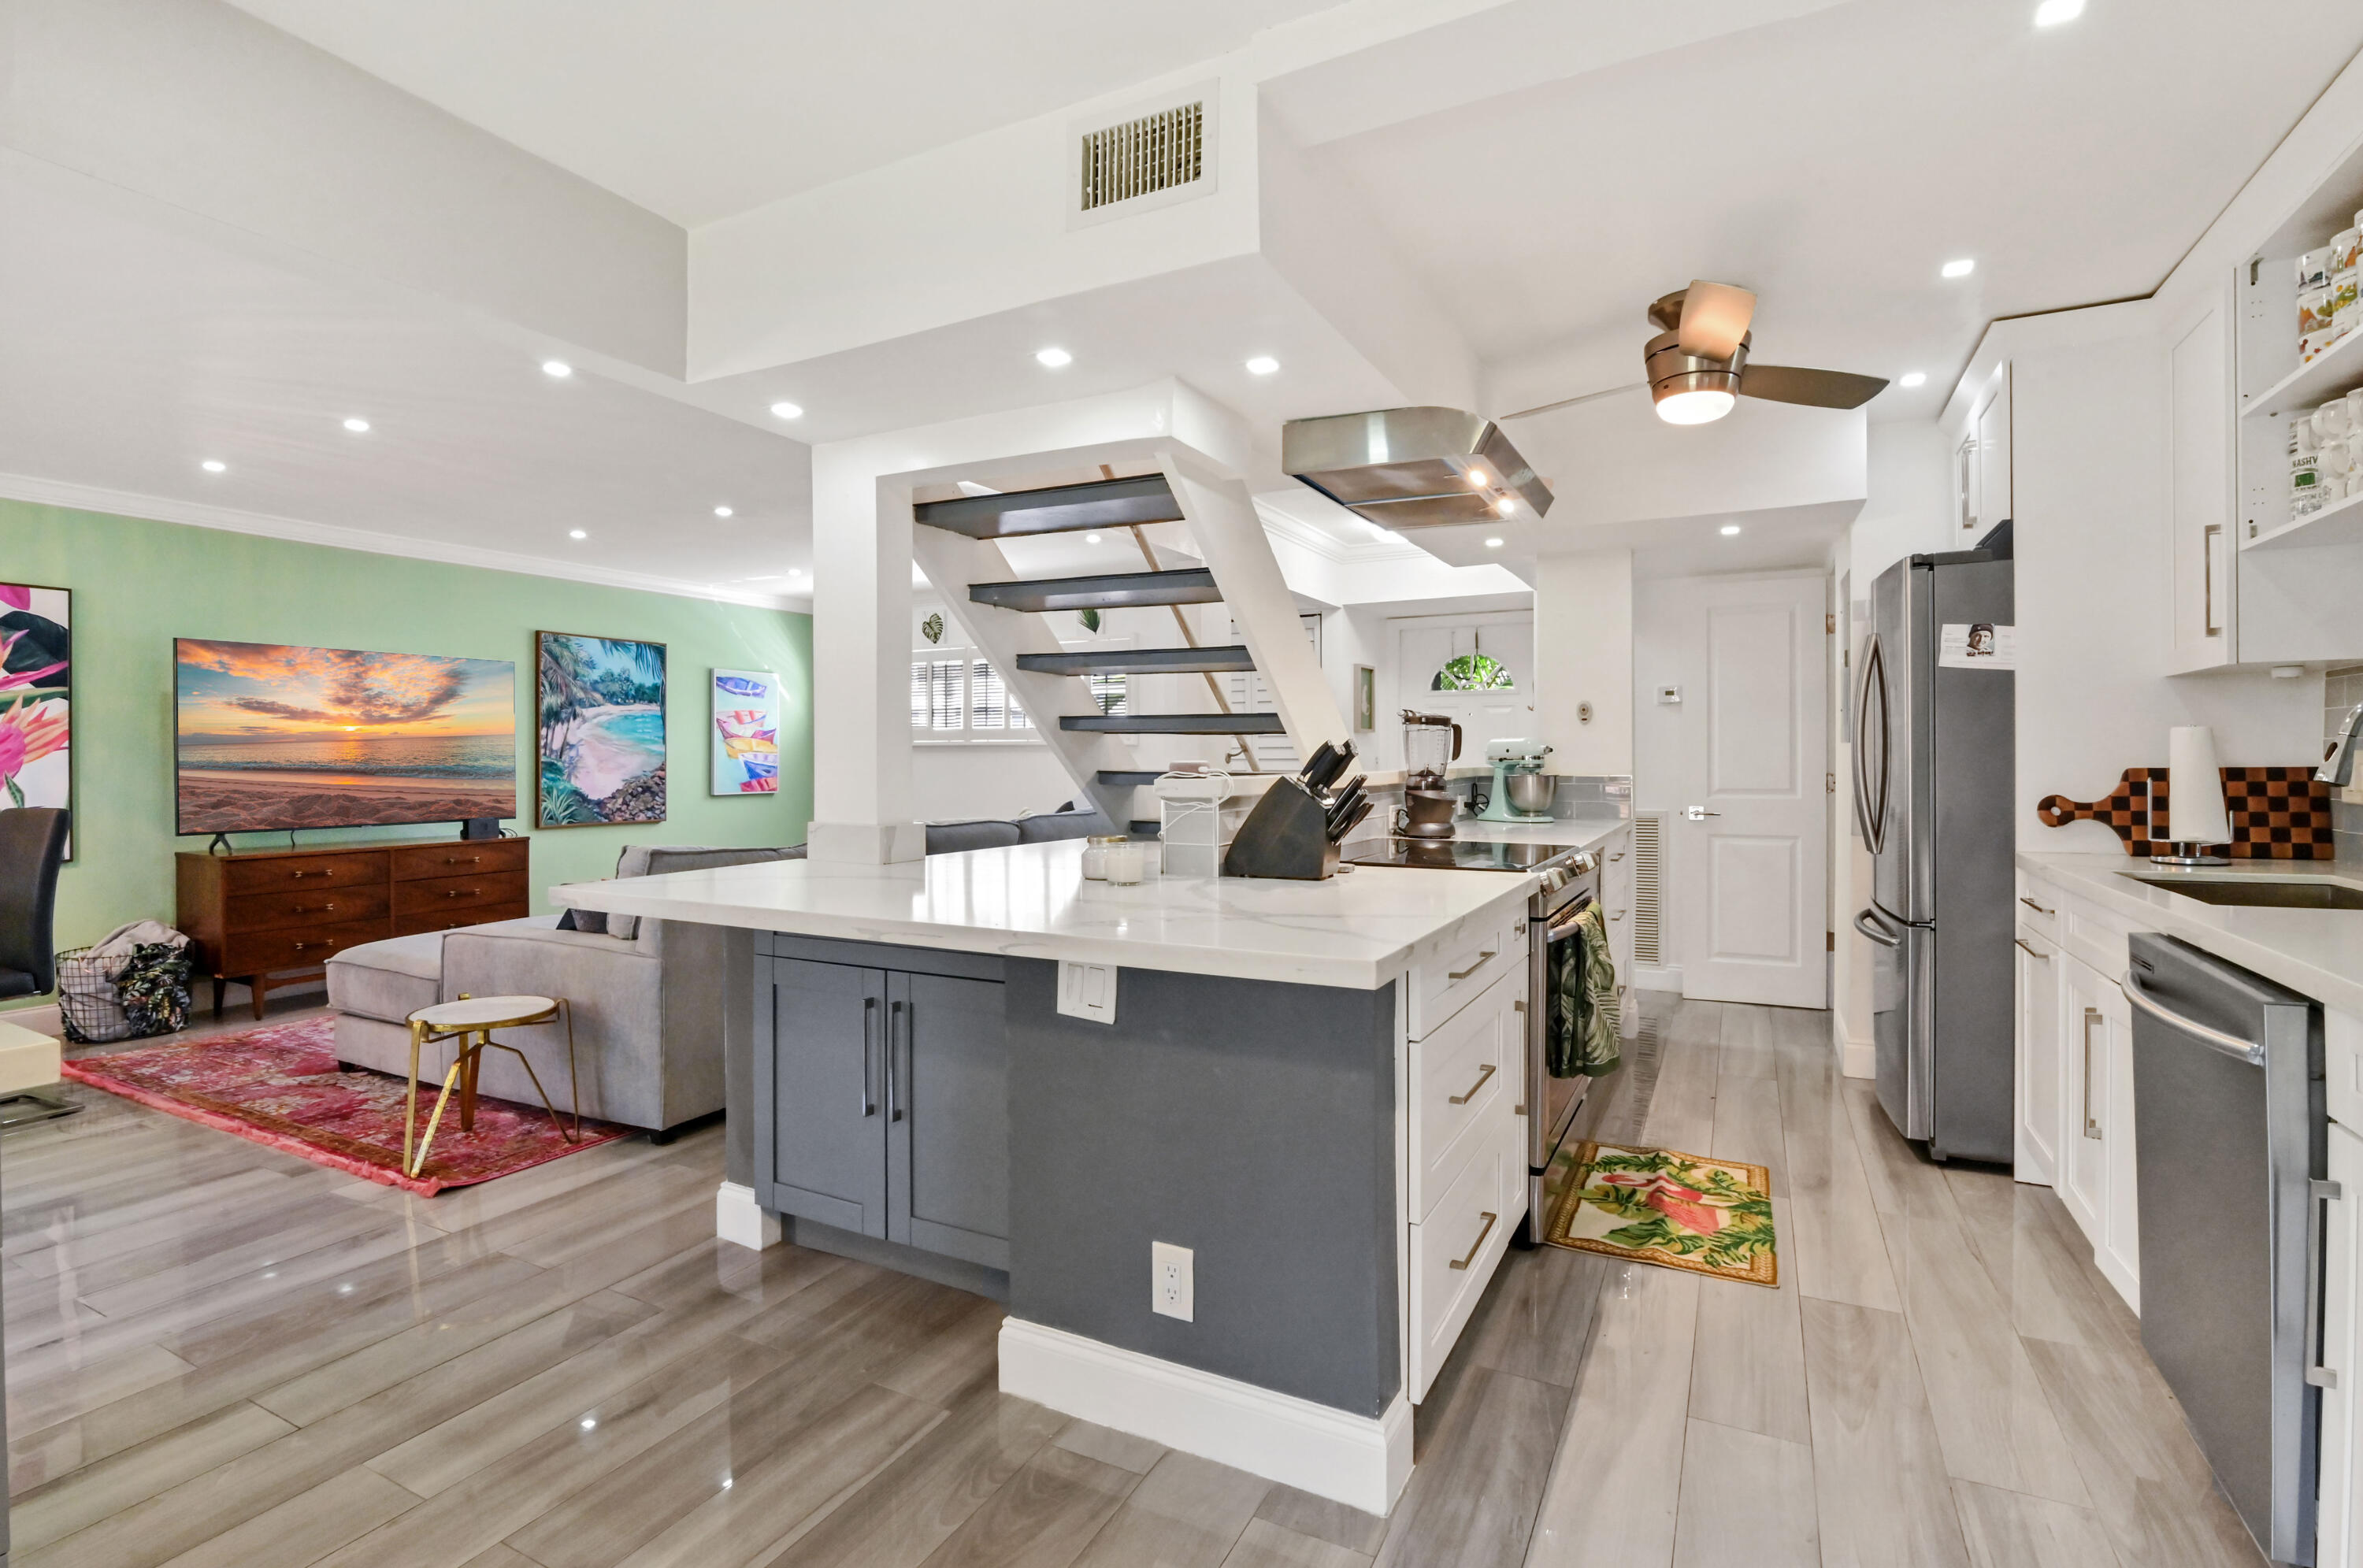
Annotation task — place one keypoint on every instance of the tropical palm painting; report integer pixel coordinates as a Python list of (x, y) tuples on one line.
[(1659, 1206), (36, 697), (602, 718)]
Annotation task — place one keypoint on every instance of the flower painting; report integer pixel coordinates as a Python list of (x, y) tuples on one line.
[(603, 730), (36, 697), (746, 732)]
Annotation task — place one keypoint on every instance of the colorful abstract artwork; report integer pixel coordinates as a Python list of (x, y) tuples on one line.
[(269, 736), (746, 732), (36, 697), (603, 730)]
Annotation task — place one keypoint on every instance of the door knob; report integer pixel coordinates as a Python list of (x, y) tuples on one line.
[(1699, 814)]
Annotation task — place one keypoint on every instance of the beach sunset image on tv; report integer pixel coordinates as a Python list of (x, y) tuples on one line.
[(276, 737)]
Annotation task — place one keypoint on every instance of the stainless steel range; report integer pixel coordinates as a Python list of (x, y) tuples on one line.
[(1554, 915)]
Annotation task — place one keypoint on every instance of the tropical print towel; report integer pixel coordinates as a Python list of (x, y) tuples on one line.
[(1583, 1010), (1678, 1210)]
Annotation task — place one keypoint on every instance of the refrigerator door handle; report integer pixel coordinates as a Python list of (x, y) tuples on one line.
[(1870, 806), (1867, 922), (2247, 1050)]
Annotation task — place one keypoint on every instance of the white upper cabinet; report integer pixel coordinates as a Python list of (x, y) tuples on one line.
[(2199, 490)]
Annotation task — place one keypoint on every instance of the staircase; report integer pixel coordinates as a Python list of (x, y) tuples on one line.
[(956, 544)]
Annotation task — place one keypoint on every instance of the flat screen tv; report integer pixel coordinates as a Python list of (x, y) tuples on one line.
[(268, 738)]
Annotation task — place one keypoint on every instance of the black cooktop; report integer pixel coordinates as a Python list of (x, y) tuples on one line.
[(1453, 853)]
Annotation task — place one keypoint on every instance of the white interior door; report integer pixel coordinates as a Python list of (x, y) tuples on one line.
[(1750, 828), (1424, 645)]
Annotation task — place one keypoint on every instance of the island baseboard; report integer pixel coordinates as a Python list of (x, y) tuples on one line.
[(1362, 1462), (739, 1219)]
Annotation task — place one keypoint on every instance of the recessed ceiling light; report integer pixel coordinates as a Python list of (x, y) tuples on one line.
[(1053, 358), (358, 425), (2051, 13), (1729, 529), (576, 533), (1506, 505), (1090, 538), (788, 409), (1912, 378), (1493, 544), (1960, 268), (722, 512), (1476, 477), (215, 466), (557, 370), (1262, 365)]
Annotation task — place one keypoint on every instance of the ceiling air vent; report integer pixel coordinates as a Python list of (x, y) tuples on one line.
[(1141, 156)]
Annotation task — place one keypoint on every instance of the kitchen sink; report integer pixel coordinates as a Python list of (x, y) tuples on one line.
[(2290, 895)]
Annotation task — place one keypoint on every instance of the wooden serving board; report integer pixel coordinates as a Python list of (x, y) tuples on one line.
[(2277, 813)]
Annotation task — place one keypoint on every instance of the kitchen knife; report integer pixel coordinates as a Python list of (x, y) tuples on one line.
[(1346, 800), (1327, 763), (1338, 833)]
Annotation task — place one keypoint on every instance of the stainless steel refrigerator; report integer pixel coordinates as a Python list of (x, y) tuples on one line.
[(1934, 756), (2234, 1140)]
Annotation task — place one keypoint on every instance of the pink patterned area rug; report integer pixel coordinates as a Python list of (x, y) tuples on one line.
[(282, 1086)]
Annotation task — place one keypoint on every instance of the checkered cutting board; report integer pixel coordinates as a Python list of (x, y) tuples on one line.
[(2277, 813)]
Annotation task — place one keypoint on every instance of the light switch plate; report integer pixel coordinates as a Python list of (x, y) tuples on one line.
[(1087, 990), (1171, 1290)]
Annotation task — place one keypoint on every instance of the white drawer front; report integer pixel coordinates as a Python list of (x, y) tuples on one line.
[(1455, 1249), (2099, 940), (2343, 1067), (2038, 909), (1462, 1074), (1459, 969)]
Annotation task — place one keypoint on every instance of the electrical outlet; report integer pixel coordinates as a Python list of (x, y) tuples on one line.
[(1170, 1291), (1087, 990)]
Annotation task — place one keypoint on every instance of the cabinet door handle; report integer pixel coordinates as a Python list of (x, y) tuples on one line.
[(2031, 953), (1478, 1245), (1482, 959), (2215, 531), (2092, 1125), (2038, 909), (894, 1073), (868, 1035), (1618, 855), (1465, 1098), (2319, 1374)]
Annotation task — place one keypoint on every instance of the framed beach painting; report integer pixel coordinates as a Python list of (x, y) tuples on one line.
[(745, 736), (35, 698), (601, 724)]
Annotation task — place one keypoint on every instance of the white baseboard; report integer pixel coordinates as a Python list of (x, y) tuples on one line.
[(739, 1219), (866, 844), (1646, 979), (1361, 1462), (1858, 1059)]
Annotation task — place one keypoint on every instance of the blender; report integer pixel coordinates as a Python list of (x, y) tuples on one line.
[(1431, 745), (1521, 791)]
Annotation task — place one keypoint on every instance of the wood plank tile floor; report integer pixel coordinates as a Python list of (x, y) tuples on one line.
[(221, 1356)]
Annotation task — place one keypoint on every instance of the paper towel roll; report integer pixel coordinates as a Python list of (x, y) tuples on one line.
[(2195, 812)]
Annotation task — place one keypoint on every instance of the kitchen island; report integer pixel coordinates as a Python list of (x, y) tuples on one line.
[(982, 1068)]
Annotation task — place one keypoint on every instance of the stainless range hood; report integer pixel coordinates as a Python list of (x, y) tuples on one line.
[(1414, 468)]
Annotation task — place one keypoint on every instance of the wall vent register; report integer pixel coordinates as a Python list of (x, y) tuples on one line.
[(1140, 157)]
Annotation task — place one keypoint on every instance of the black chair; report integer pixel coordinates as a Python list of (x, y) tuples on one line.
[(32, 847)]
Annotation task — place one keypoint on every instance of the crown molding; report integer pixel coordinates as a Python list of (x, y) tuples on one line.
[(1328, 546), (201, 514)]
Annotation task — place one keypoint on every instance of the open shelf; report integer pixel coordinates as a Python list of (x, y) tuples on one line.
[(2338, 370), (2338, 525)]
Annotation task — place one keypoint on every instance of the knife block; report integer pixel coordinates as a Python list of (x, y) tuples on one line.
[(1286, 835)]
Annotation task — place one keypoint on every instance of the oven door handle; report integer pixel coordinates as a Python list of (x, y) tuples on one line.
[(1561, 930)]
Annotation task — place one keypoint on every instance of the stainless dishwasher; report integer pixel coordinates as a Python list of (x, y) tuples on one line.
[(2230, 1136)]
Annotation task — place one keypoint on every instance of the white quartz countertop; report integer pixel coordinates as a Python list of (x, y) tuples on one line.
[(1356, 929), (2318, 951)]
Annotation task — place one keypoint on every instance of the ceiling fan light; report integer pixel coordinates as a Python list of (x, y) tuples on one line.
[(1703, 405)]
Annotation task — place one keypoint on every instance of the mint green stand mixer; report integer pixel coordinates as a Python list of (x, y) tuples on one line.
[(1521, 791)]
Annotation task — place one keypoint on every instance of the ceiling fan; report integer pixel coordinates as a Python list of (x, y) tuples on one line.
[(1699, 368)]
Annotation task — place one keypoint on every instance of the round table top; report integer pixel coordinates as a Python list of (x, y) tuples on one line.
[(485, 1012)]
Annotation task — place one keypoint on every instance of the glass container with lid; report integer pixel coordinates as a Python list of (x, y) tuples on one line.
[(1431, 745)]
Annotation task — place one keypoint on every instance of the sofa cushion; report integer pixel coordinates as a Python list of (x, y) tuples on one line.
[(1062, 825), (951, 838), (656, 859), (394, 977)]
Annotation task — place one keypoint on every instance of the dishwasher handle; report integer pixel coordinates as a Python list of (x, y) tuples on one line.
[(1866, 922), (2248, 1050), (2318, 1370)]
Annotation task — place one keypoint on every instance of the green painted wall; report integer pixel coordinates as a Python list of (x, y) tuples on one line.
[(138, 584)]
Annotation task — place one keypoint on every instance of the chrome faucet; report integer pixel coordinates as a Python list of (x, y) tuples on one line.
[(2340, 758)]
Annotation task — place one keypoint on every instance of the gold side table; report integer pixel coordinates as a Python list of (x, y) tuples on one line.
[(471, 1021)]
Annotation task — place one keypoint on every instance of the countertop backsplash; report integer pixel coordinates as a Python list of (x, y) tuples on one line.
[(2342, 688)]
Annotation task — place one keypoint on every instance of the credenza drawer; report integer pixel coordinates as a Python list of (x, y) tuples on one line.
[(453, 920), (462, 857), (305, 907), (276, 873), (456, 893), (259, 952)]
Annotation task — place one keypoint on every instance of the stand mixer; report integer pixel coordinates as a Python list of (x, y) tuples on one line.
[(1521, 791)]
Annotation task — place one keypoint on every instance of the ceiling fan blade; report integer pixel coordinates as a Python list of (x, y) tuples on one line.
[(1815, 389), (1571, 402), (1715, 318)]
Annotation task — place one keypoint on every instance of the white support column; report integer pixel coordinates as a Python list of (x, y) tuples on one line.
[(861, 640), (1583, 651)]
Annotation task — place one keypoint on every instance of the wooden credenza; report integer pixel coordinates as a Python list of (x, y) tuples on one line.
[(272, 918)]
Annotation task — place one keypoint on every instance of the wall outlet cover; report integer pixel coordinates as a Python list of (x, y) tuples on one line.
[(1087, 990), (1670, 695), (1172, 1291)]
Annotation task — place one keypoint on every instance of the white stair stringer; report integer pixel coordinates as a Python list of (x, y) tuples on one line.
[(952, 562), (1231, 540)]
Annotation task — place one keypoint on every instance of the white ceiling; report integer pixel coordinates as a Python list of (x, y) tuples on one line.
[(1833, 162), (130, 354), (703, 110)]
